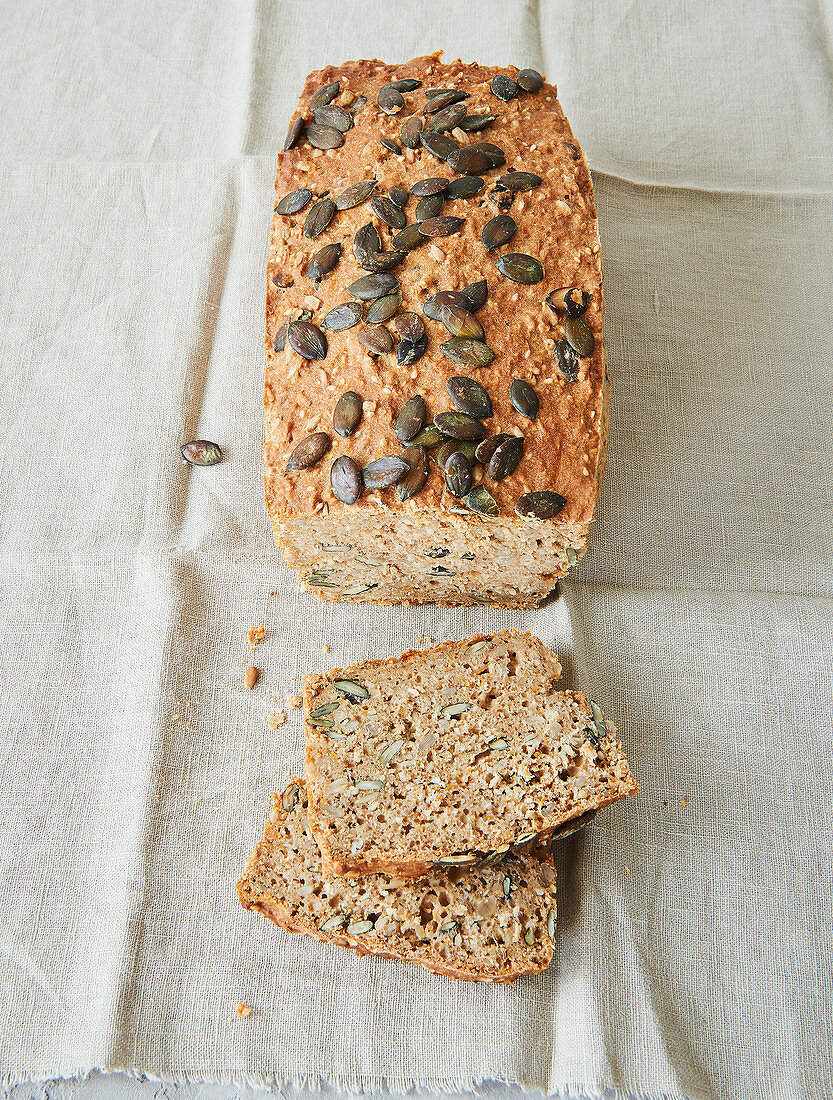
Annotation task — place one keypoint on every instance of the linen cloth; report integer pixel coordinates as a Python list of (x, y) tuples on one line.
[(693, 950)]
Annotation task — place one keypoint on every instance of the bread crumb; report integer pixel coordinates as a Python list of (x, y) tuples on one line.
[(251, 678), (256, 635), (244, 1010), (273, 593), (325, 647), (277, 719), (684, 802), (627, 870), (296, 701)]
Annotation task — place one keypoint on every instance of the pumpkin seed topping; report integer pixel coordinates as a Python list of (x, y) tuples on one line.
[(524, 398), (347, 413), (325, 95), (376, 339), (529, 80), (201, 452), (438, 145), (354, 194), (487, 447), (412, 482), (566, 360), (294, 131), (504, 87), (343, 317), (463, 349), (497, 232), (346, 480), (354, 691), (319, 217), (543, 504), (458, 475), (411, 418), (520, 268), (324, 137), (390, 100), (580, 336), (383, 472), (410, 351), (482, 502), (335, 117), (294, 202), (460, 425), (519, 181), (307, 339), (505, 458), (465, 187), (323, 262), (469, 396), (370, 287), (387, 211)]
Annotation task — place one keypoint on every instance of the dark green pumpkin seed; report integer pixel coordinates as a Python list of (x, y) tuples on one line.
[(347, 413), (343, 317), (459, 322), (504, 87), (569, 299), (383, 472), (447, 118), (323, 262), (409, 326), (294, 202), (566, 360), (352, 689), (468, 162), (505, 459), (387, 211), (493, 153), (406, 84), (325, 709), (520, 268), (411, 483), (383, 308), (408, 238), (358, 104), (307, 339), (459, 425), (411, 419), (429, 207), (390, 100), (201, 452), (439, 145), (409, 132), (346, 480), (409, 351), (376, 339), (435, 305), (325, 95), (498, 231), (487, 447), (431, 186), (324, 137), (333, 116), (442, 226), (473, 353), (482, 502), (280, 338), (458, 475), (429, 437), (319, 217), (354, 194), (476, 295), (519, 181), (296, 128), (465, 187), (398, 195), (382, 261), (580, 336), (529, 80), (469, 396), (541, 505), (309, 451), (473, 124), (391, 145), (442, 98), (524, 398), (452, 447)]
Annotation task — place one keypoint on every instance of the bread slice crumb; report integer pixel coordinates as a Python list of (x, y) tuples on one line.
[(296, 701), (277, 719), (244, 1010), (256, 635)]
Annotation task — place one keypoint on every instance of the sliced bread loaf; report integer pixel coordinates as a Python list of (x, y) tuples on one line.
[(445, 755), (491, 923)]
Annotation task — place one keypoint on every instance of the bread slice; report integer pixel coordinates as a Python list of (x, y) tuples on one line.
[(415, 541), (443, 755), (490, 923)]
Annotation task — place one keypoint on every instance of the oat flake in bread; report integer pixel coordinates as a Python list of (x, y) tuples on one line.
[(449, 755), (492, 923), (436, 394)]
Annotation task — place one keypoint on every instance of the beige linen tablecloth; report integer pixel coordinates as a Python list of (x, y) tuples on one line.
[(693, 960)]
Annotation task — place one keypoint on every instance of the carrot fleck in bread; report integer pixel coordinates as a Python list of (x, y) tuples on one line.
[(491, 923), (436, 393), (443, 756)]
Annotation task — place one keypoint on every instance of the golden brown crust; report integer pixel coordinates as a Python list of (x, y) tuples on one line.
[(556, 223)]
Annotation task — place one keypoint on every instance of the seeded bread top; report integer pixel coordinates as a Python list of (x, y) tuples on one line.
[(556, 225)]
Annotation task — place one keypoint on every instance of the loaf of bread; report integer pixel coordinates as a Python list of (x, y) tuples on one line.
[(491, 923), (444, 756), (436, 394)]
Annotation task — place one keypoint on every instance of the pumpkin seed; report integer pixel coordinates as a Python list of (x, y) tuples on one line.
[(366, 243), (346, 480), (475, 647), (454, 710), (580, 336), (458, 475), (431, 186), (347, 413), (437, 552), (519, 181), (320, 579), (324, 137), (358, 104), (390, 100), (435, 305), (309, 451), (503, 199), (447, 118), (409, 132), (294, 202), (482, 502), (572, 556), (442, 98), (409, 325), (201, 452), (398, 195), (520, 268), (459, 425), (439, 145), (406, 84), (498, 743), (469, 396), (498, 231), (383, 308), (473, 124), (476, 295), (323, 723), (359, 927), (382, 261), (343, 317), (598, 721), (540, 505), (393, 748), (354, 194), (408, 238), (307, 339), (289, 798), (468, 556), (411, 483), (334, 922), (506, 885), (354, 691), (294, 131), (319, 217), (427, 208), (463, 349), (390, 145), (449, 925), (529, 936), (429, 437), (551, 924), (441, 227), (525, 839), (487, 447), (569, 299), (335, 117), (455, 446), (336, 548), (325, 708), (325, 95), (493, 153), (566, 360), (524, 398), (376, 339), (410, 351), (280, 338), (387, 211), (370, 287), (358, 589), (504, 87), (370, 785), (465, 187), (411, 419), (505, 458), (467, 161), (529, 80), (463, 858), (323, 262), (383, 472)]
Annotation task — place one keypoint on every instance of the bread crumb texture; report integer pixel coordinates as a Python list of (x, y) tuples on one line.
[(256, 635)]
